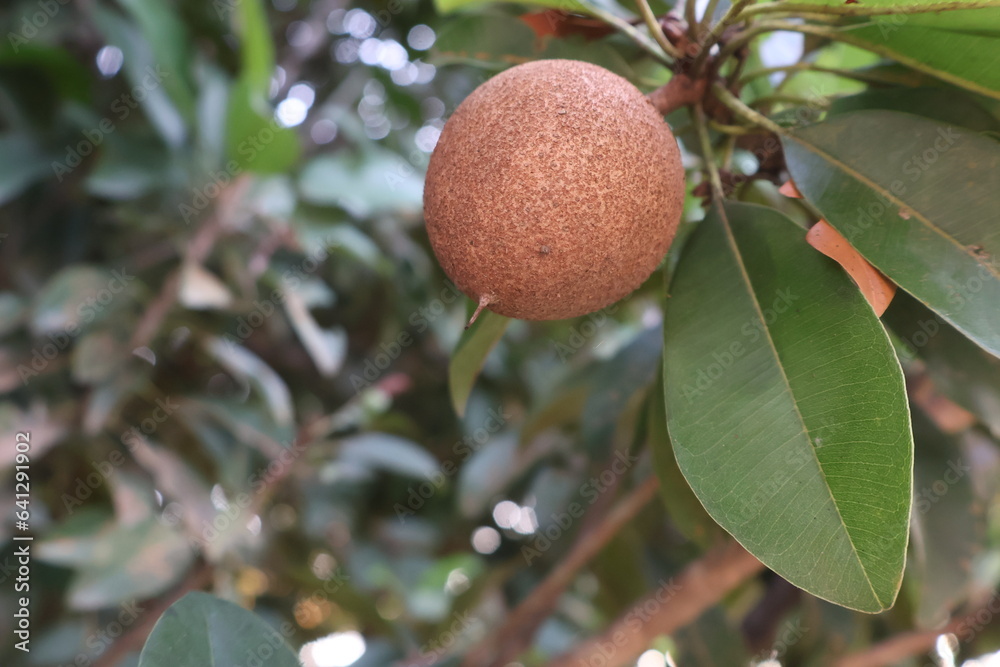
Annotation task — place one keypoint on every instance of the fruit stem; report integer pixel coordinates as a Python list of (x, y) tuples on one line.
[(483, 302), (737, 106), (679, 92), (701, 128), (656, 31)]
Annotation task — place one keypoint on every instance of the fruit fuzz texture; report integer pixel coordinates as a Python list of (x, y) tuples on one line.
[(554, 190)]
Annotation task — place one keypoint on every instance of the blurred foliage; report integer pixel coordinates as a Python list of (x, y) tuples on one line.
[(242, 369)]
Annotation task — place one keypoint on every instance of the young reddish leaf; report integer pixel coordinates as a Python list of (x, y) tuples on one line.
[(878, 289), (562, 24), (789, 190), (948, 416)]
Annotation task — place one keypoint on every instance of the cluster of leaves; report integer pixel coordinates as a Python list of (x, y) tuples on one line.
[(241, 368)]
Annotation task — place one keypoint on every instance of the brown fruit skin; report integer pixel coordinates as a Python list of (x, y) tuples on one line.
[(554, 190)]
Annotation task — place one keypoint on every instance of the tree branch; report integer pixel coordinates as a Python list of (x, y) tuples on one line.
[(698, 587), (514, 636), (197, 251)]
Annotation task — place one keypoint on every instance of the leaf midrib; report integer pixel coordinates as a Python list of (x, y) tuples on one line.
[(731, 240)]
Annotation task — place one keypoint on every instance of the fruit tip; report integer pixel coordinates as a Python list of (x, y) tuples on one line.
[(483, 302)]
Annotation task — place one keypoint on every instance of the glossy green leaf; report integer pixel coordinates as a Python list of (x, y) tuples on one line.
[(964, 59), (786, 407), (918, 199), (200, 629), (946, 105), (254, 140), (470, 355), (954, 18)]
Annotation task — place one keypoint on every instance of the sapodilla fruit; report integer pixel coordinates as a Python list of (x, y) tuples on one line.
[(554, 190)]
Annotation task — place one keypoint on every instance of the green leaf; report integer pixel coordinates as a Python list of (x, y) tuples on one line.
[(363, 184), (77, 297), (470, 355), (163, 99), (200, 629), (124, 563), (381, 451), (170, 45), (256, 47), (254, 140), (687, 512), (970, 61), (918, 199), (786, 407), (946, 105), (955, 18)]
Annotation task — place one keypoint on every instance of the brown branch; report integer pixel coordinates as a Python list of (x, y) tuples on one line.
[(892, 650), (198, 249), (906, 644), (679, 92), (687, 596), (518, 630)]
